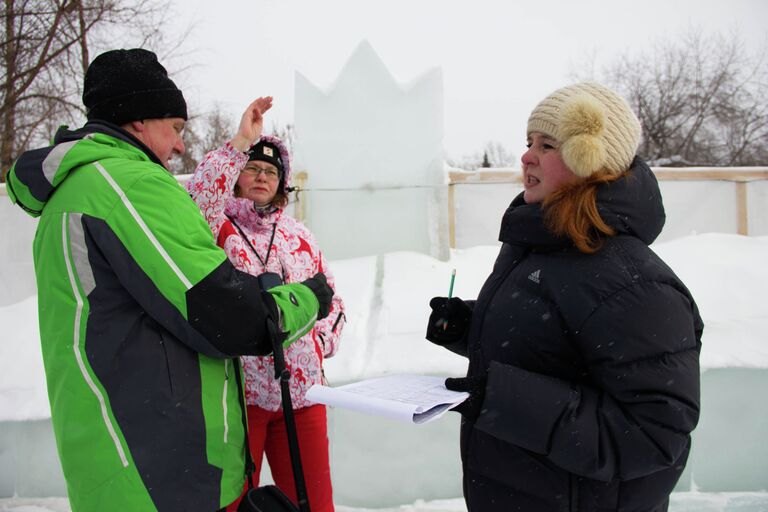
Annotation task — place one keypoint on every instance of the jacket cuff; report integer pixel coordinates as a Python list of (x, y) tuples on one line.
[(523, 408), (234, 154)]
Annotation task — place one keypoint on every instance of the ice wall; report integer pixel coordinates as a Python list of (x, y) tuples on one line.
[(372, 150)]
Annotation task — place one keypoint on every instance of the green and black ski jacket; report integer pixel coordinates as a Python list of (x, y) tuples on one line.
[(140, 316)]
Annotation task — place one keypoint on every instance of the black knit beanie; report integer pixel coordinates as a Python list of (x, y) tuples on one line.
[(130, 85), (266, 152)]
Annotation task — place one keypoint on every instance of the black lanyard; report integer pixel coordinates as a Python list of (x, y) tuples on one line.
[(269, 247)]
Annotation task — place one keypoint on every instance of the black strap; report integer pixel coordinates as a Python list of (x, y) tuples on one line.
[(282, 373), (269, 247)]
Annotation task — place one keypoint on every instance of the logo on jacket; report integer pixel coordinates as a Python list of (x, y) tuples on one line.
[(535, 276)]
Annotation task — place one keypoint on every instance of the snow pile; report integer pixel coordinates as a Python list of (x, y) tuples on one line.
[(387, 299), (727, 275), (391, 293), (23, 395), (679, 502)]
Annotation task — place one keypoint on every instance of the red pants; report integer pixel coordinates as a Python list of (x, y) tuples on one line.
[(267, 434)]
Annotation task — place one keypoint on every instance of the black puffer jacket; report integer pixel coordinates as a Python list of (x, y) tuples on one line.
[(592, 365)]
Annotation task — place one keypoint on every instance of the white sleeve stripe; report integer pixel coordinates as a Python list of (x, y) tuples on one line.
[(144, 226)]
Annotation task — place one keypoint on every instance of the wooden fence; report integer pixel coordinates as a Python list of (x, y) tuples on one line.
[(740, 176)]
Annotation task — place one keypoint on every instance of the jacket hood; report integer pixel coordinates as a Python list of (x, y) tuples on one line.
[(243, 210), (36, 174), (631, 205)]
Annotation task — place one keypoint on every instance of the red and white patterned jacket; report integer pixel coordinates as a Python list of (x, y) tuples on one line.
[(294, 255)]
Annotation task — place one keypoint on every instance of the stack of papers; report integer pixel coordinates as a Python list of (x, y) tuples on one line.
[(410, 398)]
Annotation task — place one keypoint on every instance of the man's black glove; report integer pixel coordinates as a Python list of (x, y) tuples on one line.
[(324, 293), (475, 386), (449, 320)]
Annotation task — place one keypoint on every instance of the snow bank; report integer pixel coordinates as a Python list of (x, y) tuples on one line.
[(680, 502), (727, 275), (23, 395), (387, 300)]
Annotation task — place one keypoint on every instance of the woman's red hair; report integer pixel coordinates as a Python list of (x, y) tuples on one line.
[(571, 211)]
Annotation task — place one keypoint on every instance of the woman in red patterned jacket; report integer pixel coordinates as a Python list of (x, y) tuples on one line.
[(242, 189)]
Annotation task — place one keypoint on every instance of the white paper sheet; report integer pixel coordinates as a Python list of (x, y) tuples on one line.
[(409, 398)]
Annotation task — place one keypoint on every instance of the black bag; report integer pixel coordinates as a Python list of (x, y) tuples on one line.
[(269, 498)]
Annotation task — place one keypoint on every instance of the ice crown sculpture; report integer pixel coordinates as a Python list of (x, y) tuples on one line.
[(372, 150)]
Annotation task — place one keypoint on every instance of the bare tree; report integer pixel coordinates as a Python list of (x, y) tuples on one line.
[(493, 154), (701, 100), (209, 131), (285, 133), (45, 49), (202, 134), (498, 156)]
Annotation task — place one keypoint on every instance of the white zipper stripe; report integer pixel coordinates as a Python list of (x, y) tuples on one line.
[(224, 398), (143, 226), (76, 345)]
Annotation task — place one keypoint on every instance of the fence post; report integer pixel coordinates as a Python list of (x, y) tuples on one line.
[(742, 208), (451, 216), (299, 207)]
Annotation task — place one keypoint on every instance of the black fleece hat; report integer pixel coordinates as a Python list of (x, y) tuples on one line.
[(266, 152), (130, 85)]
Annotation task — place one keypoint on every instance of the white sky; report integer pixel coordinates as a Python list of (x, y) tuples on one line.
[(499, 57)]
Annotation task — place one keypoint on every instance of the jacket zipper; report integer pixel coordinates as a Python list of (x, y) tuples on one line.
[(224, 400), (167, 362)]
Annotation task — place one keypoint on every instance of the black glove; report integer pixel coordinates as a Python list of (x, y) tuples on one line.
[(449, 320), (324, 293), (475, 386)]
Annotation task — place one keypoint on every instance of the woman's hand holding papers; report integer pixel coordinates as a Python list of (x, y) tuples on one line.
[(475, 386)]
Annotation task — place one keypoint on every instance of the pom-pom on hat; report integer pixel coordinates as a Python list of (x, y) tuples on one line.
[(130, 85), (595, 127)]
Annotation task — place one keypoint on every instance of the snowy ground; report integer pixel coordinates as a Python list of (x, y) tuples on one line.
[(681, 502)]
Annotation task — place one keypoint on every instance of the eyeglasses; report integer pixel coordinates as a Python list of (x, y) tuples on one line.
[(271, 173)]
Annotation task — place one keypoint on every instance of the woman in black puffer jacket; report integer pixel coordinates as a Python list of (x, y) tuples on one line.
[(583, 345)]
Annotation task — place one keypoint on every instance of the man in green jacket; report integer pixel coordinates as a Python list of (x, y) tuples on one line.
[(141, 315)]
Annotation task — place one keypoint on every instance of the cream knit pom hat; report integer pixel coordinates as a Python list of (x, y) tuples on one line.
[(595, 127)]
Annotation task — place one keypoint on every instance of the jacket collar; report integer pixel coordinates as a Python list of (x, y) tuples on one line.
[(63, 134), (37, 173), (631, 205), (245, 213)]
